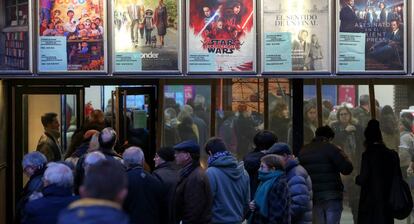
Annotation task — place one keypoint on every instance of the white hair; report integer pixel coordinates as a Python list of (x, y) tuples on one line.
[(35, 159), (59, 174), (93, 157), (133, 156)]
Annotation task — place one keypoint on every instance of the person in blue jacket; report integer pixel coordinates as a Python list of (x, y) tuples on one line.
[(229, 184), (299, 182)]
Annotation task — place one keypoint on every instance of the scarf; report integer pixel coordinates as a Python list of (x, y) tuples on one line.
[(217, 155), (187, 169), (267, 179)]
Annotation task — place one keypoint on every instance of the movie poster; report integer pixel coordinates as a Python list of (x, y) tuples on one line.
[(221, 36), (146, 35), (71, 35), (371, 35), (296, 36)]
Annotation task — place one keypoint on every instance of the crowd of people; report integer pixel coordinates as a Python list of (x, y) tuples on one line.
[(99, 180)]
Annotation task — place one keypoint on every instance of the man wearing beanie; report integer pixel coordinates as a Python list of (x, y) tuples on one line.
[(229, 183), (325, 162), (193, 199), (299, 183), (379, 167), (166, 171)]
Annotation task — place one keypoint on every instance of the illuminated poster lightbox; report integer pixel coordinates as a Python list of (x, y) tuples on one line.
[(221, 36), (296, 36), (371, 36), (146, 35), (71, 36)]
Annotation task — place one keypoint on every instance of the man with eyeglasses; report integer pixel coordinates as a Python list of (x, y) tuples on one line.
[(34, 166), (193, 199)]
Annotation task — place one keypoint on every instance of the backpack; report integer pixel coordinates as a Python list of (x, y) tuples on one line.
[(401, 202)]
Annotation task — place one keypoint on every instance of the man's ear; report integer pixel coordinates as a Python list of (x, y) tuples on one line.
[(82, 192)]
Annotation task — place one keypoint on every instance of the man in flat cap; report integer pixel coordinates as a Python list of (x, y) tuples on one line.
[(193, 199)]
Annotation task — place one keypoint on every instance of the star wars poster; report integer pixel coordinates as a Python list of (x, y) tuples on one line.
[(71, 35), (378, 26), (296, 36), (221, 36), (146, 35)]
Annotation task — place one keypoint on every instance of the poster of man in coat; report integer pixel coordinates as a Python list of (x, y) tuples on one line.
[(383, 23)]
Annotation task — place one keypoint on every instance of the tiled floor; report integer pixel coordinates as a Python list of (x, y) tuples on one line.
[(346, 218)]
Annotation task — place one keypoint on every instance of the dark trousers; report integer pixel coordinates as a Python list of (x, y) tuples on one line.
[(148, 36)]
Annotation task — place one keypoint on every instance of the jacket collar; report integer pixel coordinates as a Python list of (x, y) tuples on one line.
[(164, 165), (55, 190), (89, 202), (291, 163)]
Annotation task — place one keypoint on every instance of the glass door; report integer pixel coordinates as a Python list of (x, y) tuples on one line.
[(32, 106), (135, 120)]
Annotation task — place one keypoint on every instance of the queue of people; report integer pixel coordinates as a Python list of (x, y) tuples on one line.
[(96, 184)]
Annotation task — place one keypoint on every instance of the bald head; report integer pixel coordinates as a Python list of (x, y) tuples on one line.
[(133, 156)]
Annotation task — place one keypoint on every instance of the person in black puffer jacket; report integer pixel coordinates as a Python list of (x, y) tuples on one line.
[(299, 183), (325, 162)]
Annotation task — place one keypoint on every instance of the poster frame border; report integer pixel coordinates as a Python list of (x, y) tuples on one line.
[(29, 71), (371, 72), (147, 72), (224, 73), (103, 72), (323, 73)]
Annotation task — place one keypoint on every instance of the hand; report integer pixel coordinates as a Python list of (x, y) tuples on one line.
[(252, 206), (350, 128)]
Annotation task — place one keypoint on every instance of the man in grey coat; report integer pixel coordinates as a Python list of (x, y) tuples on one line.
[(229, 183)]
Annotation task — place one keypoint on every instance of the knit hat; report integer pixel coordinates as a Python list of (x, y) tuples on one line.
[(166, 153), (373, 133), (279, 149)]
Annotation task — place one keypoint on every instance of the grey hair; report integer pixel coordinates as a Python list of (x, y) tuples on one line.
[(94, 157), (59, 174), (35, 159), (133, 156)]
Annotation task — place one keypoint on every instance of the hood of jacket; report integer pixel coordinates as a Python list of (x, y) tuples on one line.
[(229, 165)]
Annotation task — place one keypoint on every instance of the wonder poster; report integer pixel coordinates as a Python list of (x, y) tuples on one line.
[(383, 26), (146, 35), (221, 36), (296, 36)]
